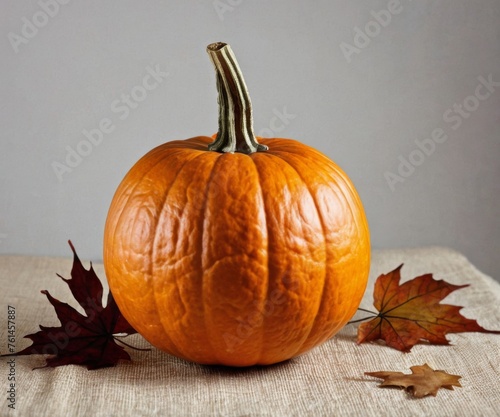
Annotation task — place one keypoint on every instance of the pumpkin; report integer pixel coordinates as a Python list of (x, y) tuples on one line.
[(239, 250)]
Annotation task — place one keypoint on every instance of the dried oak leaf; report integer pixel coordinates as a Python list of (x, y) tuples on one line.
[(410, 312), (88, 339), (422, 381)]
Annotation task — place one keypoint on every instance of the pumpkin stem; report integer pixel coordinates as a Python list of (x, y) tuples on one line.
[(235, 108)]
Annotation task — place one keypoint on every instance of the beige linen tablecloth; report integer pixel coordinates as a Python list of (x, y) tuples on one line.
[(328, 381)]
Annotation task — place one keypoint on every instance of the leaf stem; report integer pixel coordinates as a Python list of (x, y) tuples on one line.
[(117, 338), (363, 319), (368, 311)]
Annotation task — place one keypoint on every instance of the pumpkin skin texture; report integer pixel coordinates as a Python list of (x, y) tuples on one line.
[(240, 250), (234, 259)]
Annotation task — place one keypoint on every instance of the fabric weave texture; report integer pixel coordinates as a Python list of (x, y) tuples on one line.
[(327, 381)]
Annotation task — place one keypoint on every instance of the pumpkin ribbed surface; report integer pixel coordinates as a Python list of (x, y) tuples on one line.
[(236, 259)]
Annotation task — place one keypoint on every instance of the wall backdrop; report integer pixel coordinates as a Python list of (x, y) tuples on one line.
[(404, 95)]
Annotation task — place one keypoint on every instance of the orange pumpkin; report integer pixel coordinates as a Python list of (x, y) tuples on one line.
[(238, 252)]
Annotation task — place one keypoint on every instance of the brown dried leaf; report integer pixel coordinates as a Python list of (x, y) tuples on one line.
[(422, 381)]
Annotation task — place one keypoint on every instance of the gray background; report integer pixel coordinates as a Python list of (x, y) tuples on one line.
[(365, 111)]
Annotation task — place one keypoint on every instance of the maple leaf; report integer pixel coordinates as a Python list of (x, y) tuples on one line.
[(88, 339), (422, 381), (411, 312)]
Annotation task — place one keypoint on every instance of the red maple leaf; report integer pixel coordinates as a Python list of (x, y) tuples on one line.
[(410, 312), (88, 339)]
